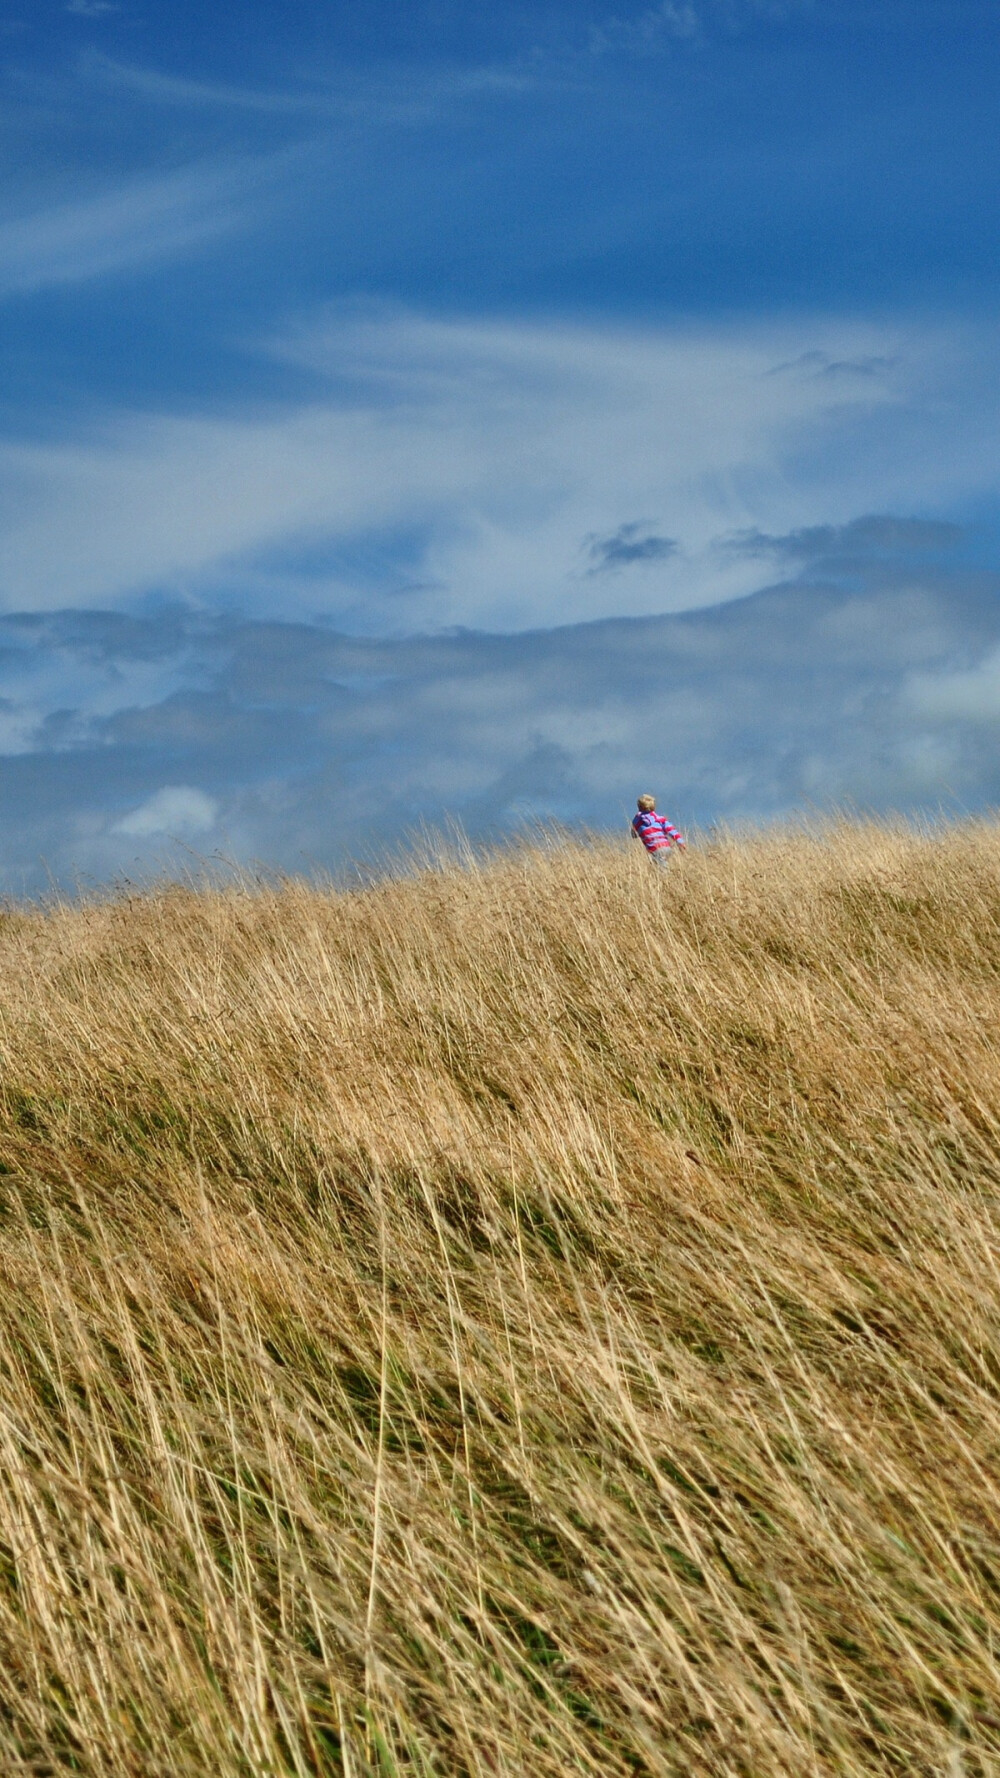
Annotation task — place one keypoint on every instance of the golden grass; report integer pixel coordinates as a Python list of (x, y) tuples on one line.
[(535, 1318)]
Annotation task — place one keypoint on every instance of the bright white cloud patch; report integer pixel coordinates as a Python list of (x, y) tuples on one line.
[(176, 810), (449, 472)]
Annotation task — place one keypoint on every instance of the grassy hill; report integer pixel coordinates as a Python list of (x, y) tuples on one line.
[(533, 1319)]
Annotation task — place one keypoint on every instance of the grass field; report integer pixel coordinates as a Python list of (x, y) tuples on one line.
[(539, 1317)]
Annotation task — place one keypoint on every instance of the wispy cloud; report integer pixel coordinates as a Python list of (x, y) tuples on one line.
[(445, 471), (171, 89), (417, 97), (646, 31), (136, 222), (653, 28), (91, 9)]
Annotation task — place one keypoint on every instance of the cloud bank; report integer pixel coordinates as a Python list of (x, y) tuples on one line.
[(873, 679)]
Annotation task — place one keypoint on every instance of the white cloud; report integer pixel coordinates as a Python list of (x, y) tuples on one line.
[(971, 694), (501, 450), (418, 99), (681, 21), (176, 810), (172, 89), (134, 223), (648, 30)]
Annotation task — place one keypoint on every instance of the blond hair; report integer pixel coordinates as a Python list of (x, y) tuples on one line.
[(647, 802)]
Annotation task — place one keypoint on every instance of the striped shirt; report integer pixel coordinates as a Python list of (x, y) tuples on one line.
[(655, 831)]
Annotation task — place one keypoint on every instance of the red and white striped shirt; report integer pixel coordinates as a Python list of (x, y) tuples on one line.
[(655, 831)]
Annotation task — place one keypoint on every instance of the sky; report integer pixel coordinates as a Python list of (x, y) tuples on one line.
[(419, 413)]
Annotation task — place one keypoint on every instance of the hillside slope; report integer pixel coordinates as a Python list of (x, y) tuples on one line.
[(532, 1319)]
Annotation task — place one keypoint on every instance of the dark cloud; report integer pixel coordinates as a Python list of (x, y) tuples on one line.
[(821, 364), (629, 544), (866, 540)]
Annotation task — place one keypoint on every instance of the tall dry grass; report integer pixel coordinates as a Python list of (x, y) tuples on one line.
[(533, 1319)]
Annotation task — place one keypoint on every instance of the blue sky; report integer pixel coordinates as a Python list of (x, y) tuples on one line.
[(377, 379)]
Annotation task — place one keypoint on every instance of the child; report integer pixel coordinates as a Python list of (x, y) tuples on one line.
[(655, 831)]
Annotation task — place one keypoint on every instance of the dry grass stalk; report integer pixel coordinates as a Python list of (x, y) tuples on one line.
[(527, 1319)]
